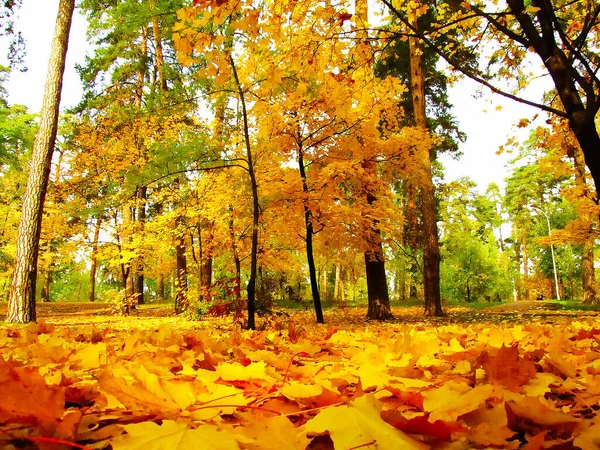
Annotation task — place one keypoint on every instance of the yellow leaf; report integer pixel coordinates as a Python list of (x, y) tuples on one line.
[(454, 399), (236, 371), (295, 390), (91, 356), (174, 436), (280, 434), (360, 424)]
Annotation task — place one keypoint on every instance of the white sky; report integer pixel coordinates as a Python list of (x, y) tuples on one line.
[(486, 128)]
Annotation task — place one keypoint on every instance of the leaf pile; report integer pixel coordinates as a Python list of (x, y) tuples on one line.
[(164, 384)]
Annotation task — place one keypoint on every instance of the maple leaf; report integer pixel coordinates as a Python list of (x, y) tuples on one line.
[(138, 388), (420, 425), (506, 368), (343, 17), (530, 415), (359, 424), (275, 433), (26, 398), (454, 399), (174, 435)]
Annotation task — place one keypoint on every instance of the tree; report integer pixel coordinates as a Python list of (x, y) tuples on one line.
[(22, 296), (562, 34), (431, 249), (474, 267)]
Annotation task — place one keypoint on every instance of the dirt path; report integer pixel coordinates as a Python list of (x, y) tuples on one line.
[(56, 309)]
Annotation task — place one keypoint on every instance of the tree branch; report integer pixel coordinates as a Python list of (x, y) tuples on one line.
[(468, 73)]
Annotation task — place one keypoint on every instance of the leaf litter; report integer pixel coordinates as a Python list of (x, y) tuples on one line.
[(166, 383)]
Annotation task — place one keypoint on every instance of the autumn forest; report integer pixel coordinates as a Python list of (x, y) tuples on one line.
[(243, 165)]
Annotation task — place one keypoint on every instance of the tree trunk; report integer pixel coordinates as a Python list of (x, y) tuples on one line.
[(338, 290), (377, 289), (588, 277), (236, 260), (128, 265), (94, 260), (560, 66), (525, 266), (138, 283), (308, 218), (325, 284), (181, 287), (21, 302), (160, 288), (206, 263), (587, 272), (255, 205), (45, 293), (160, 59), (431, 248)]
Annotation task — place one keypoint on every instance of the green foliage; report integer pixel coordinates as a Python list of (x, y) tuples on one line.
[(71, 283), (473, 267)]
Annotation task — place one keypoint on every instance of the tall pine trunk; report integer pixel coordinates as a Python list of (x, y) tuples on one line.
[(431, 249), (377, 287), (21, 301)]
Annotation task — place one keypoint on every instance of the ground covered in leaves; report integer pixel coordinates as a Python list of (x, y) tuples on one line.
[(522, 377)]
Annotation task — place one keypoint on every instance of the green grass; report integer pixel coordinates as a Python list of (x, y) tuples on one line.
[(570, 305)]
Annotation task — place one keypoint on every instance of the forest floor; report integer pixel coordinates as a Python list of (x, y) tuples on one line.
[(514, 376), (80, 313)]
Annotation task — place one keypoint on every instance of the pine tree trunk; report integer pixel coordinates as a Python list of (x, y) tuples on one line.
[(431, 249), (21, 302), (160, 59), (94, 261)]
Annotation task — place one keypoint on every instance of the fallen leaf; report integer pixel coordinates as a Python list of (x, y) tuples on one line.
[(360, 424)]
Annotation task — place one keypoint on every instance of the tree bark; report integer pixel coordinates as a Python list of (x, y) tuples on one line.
[(588, 276), (206, 265), (255, 205), (45, 295), (21, 302), (236, 260), (561, 69), (160, 59), (181, 287), (525, 265), (377, 288), (160, 288), (338, 289), (94, 261), (308, 223), (138, 281), (431, 249)]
